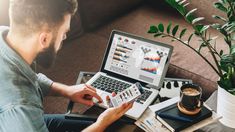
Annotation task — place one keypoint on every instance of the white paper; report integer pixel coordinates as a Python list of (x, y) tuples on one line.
[(164, 104), (148, 123)]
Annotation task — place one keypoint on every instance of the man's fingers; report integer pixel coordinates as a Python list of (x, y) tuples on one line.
[(89, 97), (90, 87), (108, 102), (107, 98), (124, 108), (94, 94), (113, 94)]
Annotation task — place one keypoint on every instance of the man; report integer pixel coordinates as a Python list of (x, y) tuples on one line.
[(37, 28)]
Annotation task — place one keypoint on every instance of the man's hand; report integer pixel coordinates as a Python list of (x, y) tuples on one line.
[(109, 116), (112, 114), (83, 94), (77, 93)]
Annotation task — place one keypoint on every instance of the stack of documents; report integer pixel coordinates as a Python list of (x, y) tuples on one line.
[(149, 123)]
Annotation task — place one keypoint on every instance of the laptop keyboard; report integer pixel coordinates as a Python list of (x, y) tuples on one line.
[(111, 85), (144, 96)]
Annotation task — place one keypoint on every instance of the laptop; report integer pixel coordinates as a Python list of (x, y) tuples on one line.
[(129, 59)]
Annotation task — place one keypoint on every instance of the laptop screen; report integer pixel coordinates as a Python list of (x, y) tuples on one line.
[(137, 58)]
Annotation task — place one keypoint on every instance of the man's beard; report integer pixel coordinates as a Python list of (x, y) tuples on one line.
[(47, 57)]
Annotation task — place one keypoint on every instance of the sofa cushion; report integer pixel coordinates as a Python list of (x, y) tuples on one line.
[(95, 13), (76, 28)]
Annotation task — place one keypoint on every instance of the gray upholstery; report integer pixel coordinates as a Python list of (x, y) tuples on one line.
[(96, 13)]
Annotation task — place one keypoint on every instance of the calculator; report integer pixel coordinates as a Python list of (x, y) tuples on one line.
[(128, 95)]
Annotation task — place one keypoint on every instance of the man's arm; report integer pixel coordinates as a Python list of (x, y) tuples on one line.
[(50, 88), (45, 83), (58, 89), (77, 93)]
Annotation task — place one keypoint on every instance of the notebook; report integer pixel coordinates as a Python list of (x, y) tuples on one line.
[(129, 59), (174, 120)]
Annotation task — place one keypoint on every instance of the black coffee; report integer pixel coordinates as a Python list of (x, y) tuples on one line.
[(190, 91)]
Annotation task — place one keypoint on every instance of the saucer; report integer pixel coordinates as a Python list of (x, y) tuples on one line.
[(187, 112)]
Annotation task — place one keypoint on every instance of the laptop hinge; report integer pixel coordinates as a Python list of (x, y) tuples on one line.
[(149, 86)]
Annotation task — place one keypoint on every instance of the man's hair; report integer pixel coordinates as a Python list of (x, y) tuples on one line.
[(34, 14)]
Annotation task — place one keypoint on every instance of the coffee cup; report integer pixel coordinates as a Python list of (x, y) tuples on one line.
[(190, 99)]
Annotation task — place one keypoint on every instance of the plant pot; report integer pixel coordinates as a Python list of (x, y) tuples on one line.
[(226, 107)]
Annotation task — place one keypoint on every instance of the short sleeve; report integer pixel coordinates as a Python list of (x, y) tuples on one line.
[(45, 83)]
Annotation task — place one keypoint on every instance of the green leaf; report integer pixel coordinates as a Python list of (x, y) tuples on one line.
[(190, 37), (227, 60), (153, 29), (161, 27), (163, 36), (182, 32), (232, 17), (232, 50), (223, 1), (225, 25), (197, 20), (175, 29), (189, 16), (186, 4), (220, 6), (169, 28), (222, 31), (204, 28), (190, 12), (198, 28), (229, 27), (181, 2), (180, 8), (216, 26), (230, 14), (219, 17), (225, 83), (157, 34)]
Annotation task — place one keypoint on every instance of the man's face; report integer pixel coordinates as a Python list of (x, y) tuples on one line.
[(47, 57)]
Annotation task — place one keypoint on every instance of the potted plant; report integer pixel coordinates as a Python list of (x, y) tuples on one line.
[(224, 60)]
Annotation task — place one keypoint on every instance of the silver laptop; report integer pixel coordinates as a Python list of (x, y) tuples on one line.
[(129, 59)]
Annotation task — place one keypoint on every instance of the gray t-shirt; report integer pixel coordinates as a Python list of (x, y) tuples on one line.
[(21, 92)]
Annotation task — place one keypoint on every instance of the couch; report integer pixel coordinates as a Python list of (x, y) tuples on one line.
[(90, 30)]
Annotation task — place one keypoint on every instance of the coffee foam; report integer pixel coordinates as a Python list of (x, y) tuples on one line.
[(190, 91)]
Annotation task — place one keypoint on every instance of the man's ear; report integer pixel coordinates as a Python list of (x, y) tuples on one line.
[(45, 39)]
